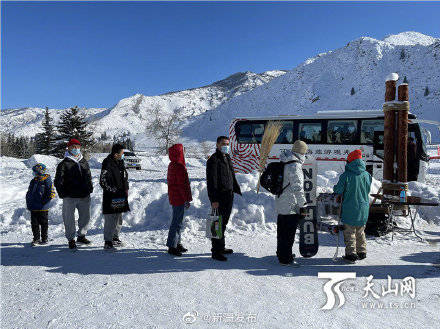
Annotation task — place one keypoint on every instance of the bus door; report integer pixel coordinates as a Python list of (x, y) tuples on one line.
[(378, 155)]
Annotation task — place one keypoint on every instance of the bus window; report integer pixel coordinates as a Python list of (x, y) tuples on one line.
[(368, 127), (249, 132), (286, 134), (341, 131), (310, 132)]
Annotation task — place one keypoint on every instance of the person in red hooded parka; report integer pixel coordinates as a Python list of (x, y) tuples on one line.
[(179, 194)]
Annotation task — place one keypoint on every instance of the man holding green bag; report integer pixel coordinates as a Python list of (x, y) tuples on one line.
[(222, 185)]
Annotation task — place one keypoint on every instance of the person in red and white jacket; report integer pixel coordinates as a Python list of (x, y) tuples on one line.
[(179, 194)]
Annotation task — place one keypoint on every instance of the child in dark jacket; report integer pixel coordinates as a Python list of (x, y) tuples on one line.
[(38, 197), (179, 194)]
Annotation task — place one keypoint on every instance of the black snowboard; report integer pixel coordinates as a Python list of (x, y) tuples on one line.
[(308, 234)]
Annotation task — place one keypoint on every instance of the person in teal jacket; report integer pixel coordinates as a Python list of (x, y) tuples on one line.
[(354, 188)]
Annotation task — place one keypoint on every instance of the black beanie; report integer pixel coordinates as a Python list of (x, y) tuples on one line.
[(116, 148)]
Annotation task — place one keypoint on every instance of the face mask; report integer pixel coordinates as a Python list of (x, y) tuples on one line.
[(34, 173), (75, 152), (225, 149), (122, 156)]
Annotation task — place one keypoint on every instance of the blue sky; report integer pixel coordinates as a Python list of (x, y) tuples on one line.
[(61, 54)]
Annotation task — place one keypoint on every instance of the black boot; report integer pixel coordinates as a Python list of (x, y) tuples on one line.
[(108, 246), (117, 242), (362, 255), (219, 256), (82, 239), (174, 251), (352, 258), (181, 248), (35, 242), (227, 251), (72, 244)]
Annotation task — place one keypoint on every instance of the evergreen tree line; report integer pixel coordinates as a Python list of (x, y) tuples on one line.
[(54, 138), (17, 147)]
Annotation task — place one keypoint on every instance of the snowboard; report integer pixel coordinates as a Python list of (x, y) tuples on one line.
[(308, 234)]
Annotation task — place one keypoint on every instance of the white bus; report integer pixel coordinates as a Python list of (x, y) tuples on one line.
[(330, 135)]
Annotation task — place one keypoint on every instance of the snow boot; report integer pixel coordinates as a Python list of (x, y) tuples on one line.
[(35, 242), (181, 248), (117, 242), (219, 256), (108, 246), (43, 242), (350, 258), (227, 251), (72, 245), (174, 251), (294, 263), (361, 255), (82, 239)]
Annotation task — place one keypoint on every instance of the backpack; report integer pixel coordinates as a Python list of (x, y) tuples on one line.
[(273, 176)]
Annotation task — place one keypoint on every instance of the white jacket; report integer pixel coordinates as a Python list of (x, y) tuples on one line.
[(293, 198)]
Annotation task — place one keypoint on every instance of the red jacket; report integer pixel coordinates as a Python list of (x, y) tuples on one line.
[(179, 190)]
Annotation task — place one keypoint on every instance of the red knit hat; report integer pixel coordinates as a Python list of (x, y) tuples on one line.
[(356, 154), (73, 141)]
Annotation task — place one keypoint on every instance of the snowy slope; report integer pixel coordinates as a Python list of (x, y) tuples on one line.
[(325, 83), (133, 113), (27, 121)]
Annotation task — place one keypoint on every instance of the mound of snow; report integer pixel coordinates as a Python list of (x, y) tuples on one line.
[(50, 161), (148, 198), (430, 214), (8, 163)]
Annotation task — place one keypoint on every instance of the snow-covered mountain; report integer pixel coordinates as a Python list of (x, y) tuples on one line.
[(326, 81), (133, 113), (351, 77)]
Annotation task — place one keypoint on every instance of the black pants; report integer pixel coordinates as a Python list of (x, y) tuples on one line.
[(224, 209), (286, 229), (39, 218)]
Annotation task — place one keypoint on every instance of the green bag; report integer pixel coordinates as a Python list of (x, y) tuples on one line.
[(214, 225)]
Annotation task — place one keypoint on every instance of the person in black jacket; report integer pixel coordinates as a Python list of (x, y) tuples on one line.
[(222, 185), (73, 182), (114, 182), (413, 163)]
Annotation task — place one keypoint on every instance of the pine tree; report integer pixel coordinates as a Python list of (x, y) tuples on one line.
[(352, 92), (402, 54), (426, 91), (73, 125), (46, 140)]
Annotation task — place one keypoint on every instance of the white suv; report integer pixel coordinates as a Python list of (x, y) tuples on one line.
[(131, 160)]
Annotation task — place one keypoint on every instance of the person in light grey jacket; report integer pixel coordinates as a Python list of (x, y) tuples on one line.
[(290, 205)]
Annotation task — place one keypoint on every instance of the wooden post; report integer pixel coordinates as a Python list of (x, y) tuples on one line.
[(402, 146), (388, 135), (403, 93), (390, 90)]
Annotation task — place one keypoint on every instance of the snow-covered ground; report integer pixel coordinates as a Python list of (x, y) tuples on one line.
[(141, 286)]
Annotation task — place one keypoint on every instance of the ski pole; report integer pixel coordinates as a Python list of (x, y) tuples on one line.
[(335, 256)]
